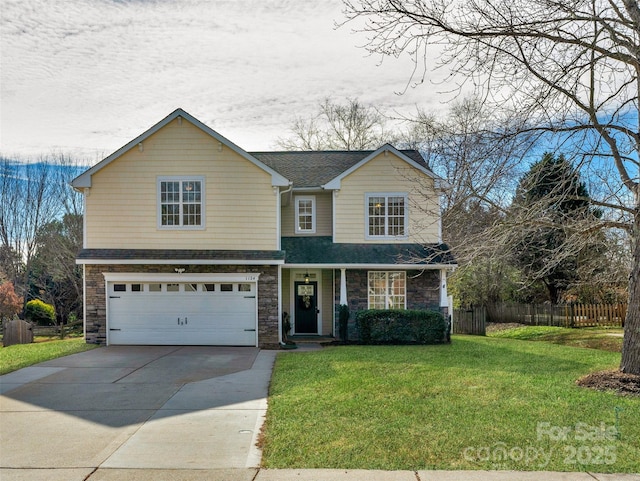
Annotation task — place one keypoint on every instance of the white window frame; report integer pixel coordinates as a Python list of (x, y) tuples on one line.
[(386, 235), (388, 294), (299, 198), (181, 179)]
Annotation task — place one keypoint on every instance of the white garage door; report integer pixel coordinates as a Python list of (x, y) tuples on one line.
[(178, 312)]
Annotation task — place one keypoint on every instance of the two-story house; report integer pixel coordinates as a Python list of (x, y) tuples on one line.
[(189, 239)]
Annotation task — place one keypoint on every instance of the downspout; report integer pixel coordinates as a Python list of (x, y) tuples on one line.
[(279, 213), (280, 312), (288, 189)]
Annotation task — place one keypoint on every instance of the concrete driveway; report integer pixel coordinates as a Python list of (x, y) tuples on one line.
[(134, 407)]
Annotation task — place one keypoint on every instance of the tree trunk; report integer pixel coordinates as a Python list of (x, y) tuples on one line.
[(631, 344)]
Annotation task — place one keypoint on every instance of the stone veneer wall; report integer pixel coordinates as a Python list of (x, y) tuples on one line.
[(423, 290), (96, 309)]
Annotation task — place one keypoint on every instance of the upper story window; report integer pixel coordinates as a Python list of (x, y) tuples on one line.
[(305, 214), (181, 202), (387, 215)]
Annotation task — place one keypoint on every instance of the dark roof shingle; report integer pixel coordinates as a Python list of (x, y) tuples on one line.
[(316, 168), (322, 250), (179, 255)]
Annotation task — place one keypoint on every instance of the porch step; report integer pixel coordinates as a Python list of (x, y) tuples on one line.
[(312, 339)]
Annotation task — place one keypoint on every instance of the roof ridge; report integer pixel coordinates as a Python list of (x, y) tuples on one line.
[(310, 151)]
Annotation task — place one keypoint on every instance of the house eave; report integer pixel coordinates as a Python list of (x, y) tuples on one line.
[(411, 267), (84, 179), (335, 184), (229, 262)]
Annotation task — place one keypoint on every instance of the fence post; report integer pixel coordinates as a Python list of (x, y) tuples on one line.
[(571, 313)]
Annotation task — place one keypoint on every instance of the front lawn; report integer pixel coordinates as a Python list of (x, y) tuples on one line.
[(18, 356), (479, 403), (608, 339)]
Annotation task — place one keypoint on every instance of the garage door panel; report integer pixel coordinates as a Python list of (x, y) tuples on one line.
[(172, 337), (192, 315)]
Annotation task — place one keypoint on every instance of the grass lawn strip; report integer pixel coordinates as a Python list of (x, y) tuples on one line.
[(18, 356), (608, 339), (479, 403)]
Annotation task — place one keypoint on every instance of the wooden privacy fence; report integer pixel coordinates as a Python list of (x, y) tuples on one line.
[(17, 331), (567, 315), (470, 321)]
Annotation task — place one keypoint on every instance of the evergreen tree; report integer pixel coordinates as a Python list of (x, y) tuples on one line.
[(553, 194)]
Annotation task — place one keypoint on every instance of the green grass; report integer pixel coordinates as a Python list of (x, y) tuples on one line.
[(18, 356), (608, 339), (475, 404)]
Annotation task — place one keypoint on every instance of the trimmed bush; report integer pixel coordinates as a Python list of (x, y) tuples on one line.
[(40, 312), (378, 326)]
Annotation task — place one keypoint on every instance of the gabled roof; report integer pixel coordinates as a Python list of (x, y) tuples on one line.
[(84, 179), (335, 182), (317, 168)]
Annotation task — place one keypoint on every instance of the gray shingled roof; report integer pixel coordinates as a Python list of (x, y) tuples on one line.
[(179, 255), (316, 168), (295, 250), (322, 250)]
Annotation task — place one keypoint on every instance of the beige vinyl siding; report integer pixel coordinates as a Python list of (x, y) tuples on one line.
[(324, 224), (386, 173), (241, 208)]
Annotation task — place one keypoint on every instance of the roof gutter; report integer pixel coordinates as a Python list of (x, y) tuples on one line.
[(421, 267)]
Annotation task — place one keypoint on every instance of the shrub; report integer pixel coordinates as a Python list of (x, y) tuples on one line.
[(40, 312), (10, 302), (378, 326)]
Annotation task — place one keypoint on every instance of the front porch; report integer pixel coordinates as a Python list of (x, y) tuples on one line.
[(311, 296)]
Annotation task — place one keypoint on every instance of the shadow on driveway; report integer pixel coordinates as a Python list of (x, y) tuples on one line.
[(137, 406)]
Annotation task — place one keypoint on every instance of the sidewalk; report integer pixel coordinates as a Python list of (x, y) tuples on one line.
[(103, 474)]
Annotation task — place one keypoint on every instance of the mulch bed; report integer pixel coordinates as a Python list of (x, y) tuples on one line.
[(623, 383)]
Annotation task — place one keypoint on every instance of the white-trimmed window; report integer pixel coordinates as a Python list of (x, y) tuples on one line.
[(387, 289), (181, 202), (305, 214), (387, 215)]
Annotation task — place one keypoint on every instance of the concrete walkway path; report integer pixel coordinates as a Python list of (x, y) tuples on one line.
[(255, 474)]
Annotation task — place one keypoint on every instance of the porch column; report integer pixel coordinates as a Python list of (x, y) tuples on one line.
[(444, 298), (343, 286)]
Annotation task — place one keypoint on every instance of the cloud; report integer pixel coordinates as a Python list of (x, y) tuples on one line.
[(86, 76)]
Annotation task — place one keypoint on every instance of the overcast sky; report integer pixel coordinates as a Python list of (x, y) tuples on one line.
[(87, 76)]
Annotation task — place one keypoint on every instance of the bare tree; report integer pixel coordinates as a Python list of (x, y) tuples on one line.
[(336, 126), (36, 197), (470, 148), (569, 67), (28, 202)]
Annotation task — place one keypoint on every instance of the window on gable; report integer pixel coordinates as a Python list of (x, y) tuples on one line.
[(305, 215), (181, 203), (387, 215), (387, 290)]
